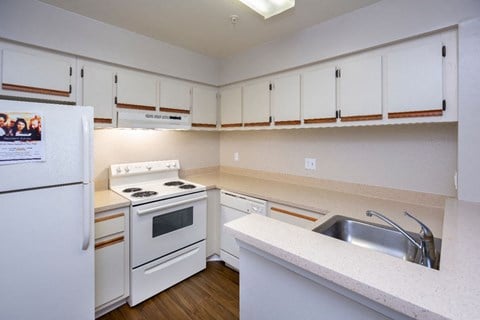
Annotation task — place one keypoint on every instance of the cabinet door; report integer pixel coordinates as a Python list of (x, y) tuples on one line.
[(286, 100), (256, 104), (231, 107), (111, 256), (204, 107), (175, 96), (98, 91), (32, 73), (319, 96), (360, 89), (136, 91), (415, 81), (109, 272)]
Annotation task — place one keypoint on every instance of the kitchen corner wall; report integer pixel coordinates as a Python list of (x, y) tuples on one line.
[(194, 149), (419, 157)]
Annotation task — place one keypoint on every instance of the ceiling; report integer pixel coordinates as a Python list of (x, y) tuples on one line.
[(204, 26)]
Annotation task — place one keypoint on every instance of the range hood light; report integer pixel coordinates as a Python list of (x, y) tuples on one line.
[(269, 8)]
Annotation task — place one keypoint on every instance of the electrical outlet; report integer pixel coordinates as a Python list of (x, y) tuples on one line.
[(310, 164), (236, 156)]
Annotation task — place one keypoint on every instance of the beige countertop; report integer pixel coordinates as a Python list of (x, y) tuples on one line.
[(108, 200), (453, 292), (322, 200)]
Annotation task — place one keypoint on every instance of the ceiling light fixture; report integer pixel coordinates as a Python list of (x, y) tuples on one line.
[(269, 8)]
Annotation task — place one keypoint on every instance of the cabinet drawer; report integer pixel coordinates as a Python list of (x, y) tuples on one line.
[(300, 217), (108, 225)]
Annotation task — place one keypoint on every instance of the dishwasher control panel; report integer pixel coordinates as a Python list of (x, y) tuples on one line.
[(243, 203)]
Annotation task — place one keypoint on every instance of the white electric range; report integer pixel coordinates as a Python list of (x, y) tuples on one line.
[(168, 218)]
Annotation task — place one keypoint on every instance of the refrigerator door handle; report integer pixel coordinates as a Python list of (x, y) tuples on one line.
[(86, 148), (87, 216)]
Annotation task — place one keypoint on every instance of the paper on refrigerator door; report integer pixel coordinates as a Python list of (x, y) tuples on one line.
[(21, 138)]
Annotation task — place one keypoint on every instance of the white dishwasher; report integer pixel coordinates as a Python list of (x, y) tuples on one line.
[(234, 206)]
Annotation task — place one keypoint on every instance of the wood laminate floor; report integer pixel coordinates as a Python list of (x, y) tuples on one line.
[(210, 294)]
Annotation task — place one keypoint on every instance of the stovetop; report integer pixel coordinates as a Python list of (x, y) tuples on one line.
[(150, 181)]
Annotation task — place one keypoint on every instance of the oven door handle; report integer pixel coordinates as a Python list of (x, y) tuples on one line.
[(168, 206)]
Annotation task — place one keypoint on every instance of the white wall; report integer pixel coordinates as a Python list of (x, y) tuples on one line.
[(39, 24), (408, 157), (380, 23), (469, 111), (194, 149)]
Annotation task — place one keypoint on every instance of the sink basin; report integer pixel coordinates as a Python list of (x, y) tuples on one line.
[(373, 236)]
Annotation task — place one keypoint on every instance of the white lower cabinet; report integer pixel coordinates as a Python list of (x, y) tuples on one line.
[(296, 216), (111, 258)]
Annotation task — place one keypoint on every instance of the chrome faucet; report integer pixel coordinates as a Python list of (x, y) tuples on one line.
[(427, 244)]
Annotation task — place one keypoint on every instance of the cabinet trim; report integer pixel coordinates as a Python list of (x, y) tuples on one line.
[(174, 110), (110, 242), (290, 213), (256, 124), (135, 107), (15, 87), (319, 120), (362, 118), (287, 122), (204, 125), (113, 216), (411, 114), (102, 120)]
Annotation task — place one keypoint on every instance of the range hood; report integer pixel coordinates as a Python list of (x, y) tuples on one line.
[(153, 120)]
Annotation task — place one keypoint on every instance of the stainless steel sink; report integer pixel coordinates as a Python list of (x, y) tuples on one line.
[(373, 236)]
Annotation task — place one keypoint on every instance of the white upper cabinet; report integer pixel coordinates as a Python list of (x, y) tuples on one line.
[(98, 90), (319, 95), (204, 105), (360, 88), (286, 100), (256, 104), (175, 96), (231, 107), (33, 73), (136, 90), (414, 81)]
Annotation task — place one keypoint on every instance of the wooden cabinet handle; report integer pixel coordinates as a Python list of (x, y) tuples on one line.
[(204, 125), (135, 107), (421, 113), (361, 118), (15, 87), (174, 110), (113, 216), (294, 214), (110, 242)]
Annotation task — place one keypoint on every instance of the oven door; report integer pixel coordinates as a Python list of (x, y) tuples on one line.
[(161, 227)]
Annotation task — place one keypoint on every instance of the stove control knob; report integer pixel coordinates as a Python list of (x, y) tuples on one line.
[(127, 169), (149, 167), (119, 170), (174, 165), (169, 165)]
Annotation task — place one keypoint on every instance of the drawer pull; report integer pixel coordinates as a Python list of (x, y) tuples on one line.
[(172, 261), (294, 214), (114, 216), (110, 242)]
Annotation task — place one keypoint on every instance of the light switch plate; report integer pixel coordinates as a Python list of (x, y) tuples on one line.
[(236, 156)]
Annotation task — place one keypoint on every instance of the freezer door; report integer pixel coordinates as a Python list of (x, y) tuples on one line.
[(66, 132), (45, 273)]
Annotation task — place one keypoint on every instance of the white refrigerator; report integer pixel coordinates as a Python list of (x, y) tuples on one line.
[(46, 212)]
